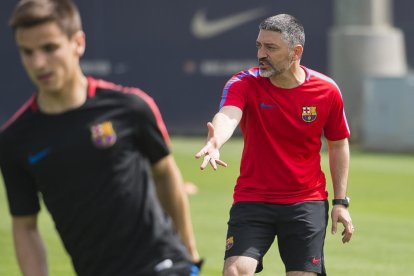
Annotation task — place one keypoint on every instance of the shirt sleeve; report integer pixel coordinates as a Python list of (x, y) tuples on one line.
[(234, 92), (21, 190), (153, 138), (336, 127)]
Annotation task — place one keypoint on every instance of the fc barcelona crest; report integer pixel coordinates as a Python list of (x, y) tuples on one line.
[(103, 135), (229, 243), (309, 113)]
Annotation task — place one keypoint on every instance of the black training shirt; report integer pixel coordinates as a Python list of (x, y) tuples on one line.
[(91, 166)]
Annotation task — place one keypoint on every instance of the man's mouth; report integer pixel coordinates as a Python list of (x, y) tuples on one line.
[(44, 77), (263, 63)]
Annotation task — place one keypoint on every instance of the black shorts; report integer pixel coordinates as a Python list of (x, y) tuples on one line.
[(300, 229)]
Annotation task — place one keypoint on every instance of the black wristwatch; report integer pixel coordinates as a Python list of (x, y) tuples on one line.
[(344, 202)]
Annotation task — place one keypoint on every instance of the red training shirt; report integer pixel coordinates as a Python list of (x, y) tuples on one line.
[(282, 131)]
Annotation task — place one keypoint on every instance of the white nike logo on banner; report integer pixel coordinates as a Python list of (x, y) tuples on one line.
[(203, 28)]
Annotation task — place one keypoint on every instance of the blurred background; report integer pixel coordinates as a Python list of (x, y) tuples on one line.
[(182, 52)]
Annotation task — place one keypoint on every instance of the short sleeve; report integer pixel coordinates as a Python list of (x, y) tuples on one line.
[(153, 138), (336, 127), (234, 92)]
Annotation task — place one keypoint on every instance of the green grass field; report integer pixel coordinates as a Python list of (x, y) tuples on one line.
[(381, 187)]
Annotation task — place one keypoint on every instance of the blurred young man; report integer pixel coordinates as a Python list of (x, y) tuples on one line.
[(94, 151), (283, 109)]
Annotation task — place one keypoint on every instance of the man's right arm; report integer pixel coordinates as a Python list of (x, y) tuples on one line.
[(219, 131), (30, 250)]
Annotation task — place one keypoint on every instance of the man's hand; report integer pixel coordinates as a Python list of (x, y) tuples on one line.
[(196, 268), (341, 214), (210, 151)]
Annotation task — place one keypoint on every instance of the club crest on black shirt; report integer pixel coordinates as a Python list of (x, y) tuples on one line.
[(103, 135)]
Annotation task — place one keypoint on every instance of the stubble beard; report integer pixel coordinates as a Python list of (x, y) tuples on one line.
[(267, 73), (271, 71)]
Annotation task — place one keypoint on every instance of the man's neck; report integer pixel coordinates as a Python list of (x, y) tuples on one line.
[(72, 96), (291, 78)]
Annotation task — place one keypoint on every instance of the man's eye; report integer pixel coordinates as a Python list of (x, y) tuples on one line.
[(50, 48), (26, 52)]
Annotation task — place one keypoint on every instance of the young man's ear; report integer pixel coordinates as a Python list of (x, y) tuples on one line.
[(79, 42)]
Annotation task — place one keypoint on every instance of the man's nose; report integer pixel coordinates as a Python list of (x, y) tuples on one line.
[(38, 60), (261, 53)]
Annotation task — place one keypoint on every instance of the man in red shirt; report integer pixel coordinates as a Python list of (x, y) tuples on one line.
[(283, 109)]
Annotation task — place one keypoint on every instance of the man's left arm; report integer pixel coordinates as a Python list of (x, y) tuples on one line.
[(339, 167), (174, 200)]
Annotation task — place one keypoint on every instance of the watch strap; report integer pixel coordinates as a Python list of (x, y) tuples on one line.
[(343, 201)]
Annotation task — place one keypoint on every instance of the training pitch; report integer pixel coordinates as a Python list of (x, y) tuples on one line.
[(381, 187)]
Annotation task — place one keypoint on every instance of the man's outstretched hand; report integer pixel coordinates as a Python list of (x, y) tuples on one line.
[(210, 151)]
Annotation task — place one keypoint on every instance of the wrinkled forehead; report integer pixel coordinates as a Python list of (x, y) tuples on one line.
[(270, 37)]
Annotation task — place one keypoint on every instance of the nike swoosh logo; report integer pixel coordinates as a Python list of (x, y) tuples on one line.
[(263, 105), (203, 28), (316, 261), (35, 158)]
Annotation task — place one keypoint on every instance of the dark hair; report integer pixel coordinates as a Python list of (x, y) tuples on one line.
[(29, 13), (291, 29)]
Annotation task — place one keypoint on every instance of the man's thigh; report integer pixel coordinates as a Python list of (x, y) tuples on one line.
[(251, 231), (301, 236), (239, 265)]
